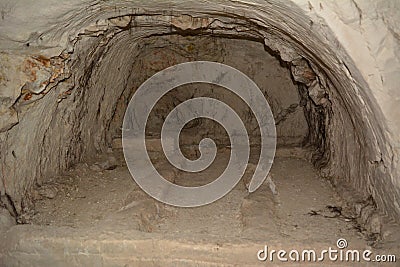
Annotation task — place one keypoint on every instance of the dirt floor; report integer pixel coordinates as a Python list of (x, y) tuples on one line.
[(296, 208), (91, 195)]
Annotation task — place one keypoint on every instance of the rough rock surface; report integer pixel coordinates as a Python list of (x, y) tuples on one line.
[(59, 60), (6, 220)]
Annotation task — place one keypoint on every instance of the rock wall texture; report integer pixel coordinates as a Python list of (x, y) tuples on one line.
[(59, 59), (247, 56)]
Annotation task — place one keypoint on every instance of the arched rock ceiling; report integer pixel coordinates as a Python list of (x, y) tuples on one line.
[(353, 44)]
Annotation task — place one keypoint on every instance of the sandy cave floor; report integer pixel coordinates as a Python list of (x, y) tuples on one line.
[(88, 196), (101, 197)]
